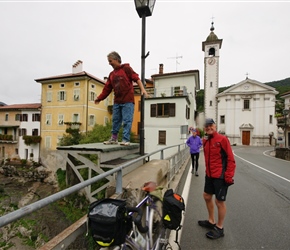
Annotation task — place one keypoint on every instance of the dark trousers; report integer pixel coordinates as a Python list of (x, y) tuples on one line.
[(194, 160)]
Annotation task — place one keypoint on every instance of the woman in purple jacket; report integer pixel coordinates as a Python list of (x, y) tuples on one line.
[(195, 143)]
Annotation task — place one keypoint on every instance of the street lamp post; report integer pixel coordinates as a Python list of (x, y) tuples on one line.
[(144, 8), (285, 113)]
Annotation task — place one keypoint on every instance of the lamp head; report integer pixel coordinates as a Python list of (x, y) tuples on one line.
[(144, 7)]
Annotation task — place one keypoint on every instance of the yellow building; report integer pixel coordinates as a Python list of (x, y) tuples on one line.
[(68, 101)]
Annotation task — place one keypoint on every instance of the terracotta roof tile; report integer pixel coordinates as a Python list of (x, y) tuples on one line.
[(22, 106), (82, 73)]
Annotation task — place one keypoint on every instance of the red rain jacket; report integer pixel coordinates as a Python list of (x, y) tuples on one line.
[(121, 80), (219, 158)]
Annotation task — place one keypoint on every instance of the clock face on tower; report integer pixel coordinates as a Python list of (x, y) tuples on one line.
[(211, 61)]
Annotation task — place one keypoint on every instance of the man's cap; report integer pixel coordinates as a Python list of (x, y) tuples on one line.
[(209, 121)]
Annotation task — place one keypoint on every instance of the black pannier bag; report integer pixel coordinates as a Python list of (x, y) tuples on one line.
[(173, 205), (108, 222)]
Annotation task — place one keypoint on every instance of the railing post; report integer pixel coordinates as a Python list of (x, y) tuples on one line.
[(119, 187)]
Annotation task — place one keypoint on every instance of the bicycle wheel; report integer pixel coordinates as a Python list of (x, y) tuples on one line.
[(155, 224)]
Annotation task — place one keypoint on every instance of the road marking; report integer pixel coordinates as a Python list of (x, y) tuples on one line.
[(266, 170), (184, 195)]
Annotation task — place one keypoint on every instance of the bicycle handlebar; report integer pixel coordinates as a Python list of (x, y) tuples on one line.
[(137, 219)]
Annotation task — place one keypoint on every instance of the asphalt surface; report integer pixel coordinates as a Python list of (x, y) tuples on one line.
[(258, 204)]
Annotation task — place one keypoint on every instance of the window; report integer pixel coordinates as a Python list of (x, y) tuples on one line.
[(92, 96), (35, 131), (187, 112), (92, 120), (47, 142), (60, 119), (24, 117), (62, 85), (48, 119), (106, 120), (162, 137), (36, 117), (183, 131), (61, 95), (49, 86), (211, 52), (162, 110), (210, 103), (59, 138), (49, 96), (106, 102), (222, 119), (22, 131), (77, 84), (176, 91), (92, 86), (17, 117), (6, 117), (270, 119), (76, 94), (75, 118), (246, 104)]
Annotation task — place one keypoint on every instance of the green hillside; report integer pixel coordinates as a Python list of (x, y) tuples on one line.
[(281, 86)]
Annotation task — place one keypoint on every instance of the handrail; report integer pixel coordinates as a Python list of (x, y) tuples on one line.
[(21, 212)]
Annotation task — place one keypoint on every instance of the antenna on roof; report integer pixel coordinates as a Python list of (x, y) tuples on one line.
[(176, 59)]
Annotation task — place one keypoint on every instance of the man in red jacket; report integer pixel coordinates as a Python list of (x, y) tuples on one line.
[(121, 81), (220, 169)]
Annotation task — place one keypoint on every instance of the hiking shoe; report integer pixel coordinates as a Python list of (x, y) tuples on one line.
[(125, 143), (196, 173), (206, 223), (111, 141), (215, 233)]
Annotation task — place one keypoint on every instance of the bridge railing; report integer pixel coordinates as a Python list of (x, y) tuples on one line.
[(175, 160)]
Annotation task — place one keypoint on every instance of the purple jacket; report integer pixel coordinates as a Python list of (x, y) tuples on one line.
[(194, 142)]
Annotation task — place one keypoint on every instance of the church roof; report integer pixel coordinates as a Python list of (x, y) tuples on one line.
[(212, 39), (212, 36), (242, 88)]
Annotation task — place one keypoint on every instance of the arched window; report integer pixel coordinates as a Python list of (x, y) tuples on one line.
[(211, 52)]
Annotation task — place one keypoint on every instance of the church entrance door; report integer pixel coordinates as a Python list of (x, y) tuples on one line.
[(246, 138)]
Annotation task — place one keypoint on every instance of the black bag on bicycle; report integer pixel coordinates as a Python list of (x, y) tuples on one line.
[(108, 222), (173, 205)]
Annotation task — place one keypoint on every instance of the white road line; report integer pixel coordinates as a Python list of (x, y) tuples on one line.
[(266, 170), (184, 194)]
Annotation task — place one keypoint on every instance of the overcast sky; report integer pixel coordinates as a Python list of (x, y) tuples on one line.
[(45, 38)]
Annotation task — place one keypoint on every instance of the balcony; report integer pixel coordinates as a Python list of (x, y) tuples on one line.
[(31, 139)]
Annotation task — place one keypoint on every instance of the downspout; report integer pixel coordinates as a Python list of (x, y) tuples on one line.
[(87, 113)]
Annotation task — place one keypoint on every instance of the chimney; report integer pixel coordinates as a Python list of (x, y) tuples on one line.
[(77, 67), (161, 68)]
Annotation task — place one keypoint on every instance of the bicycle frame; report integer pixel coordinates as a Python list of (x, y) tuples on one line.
[(150, 204)]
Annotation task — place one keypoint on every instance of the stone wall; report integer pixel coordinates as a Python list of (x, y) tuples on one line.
[(283, 153), (28, 173)]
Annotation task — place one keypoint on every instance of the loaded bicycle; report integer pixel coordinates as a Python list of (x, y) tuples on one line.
[(116, 226)]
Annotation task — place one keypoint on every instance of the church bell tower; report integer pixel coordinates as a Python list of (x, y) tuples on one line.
[(211, 48)]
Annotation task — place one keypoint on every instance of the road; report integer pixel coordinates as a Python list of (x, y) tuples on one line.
[(258, 205)]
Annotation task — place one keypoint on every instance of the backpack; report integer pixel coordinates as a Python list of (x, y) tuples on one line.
[(108, 222), (173, 205)]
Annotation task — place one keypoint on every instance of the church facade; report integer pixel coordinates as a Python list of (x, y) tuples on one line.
[(245, 112)]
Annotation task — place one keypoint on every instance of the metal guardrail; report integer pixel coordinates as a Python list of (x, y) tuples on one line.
[(175, 161)]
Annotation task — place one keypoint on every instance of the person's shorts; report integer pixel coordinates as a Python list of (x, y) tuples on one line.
[(217, 187)]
